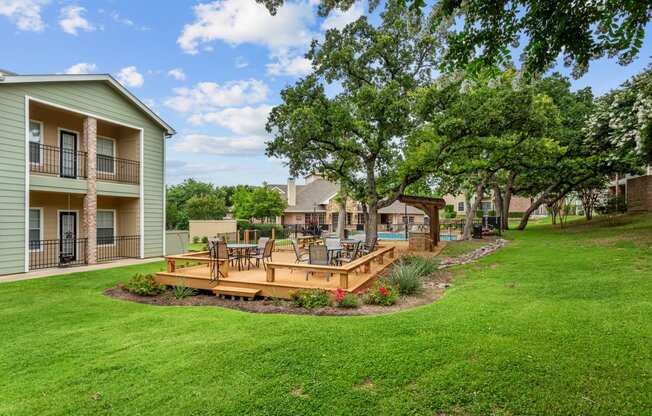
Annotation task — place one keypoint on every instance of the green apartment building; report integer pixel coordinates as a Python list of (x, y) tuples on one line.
[(82, 173)]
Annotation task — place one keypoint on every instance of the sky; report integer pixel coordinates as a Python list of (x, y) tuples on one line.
[(213, 70)]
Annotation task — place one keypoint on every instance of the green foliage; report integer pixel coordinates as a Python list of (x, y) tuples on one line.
[(205, 207), (243, 224), (182, 292), (204, 240), (143, 285), (349, 301), (516, 214), (260, 203), (425, 265), (195, 239), (381, 294), (449, 211), (492, 213), (310, 298), (613, 204), (265, 230), (406, 278)]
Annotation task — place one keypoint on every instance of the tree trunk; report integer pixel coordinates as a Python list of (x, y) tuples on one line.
[(498, 196), (536, 204), (372, 205), (341, 216), (468, 226), (507, 199)]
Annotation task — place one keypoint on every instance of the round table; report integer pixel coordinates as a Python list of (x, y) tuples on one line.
[(242, 250)]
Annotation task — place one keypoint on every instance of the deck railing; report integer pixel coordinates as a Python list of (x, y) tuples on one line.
[(53, 160), (118, 247), (44, 254), (118, 170)]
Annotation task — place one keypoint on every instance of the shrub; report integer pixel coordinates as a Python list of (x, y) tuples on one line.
[(516, 214), (182, 292), (310, 298), (204, 240), (492, 213), (243, 224), (344, 299), (406, 277), (381, 294), (265, 230), (449, 211), (426, 265), (195, 239), (143, 285)]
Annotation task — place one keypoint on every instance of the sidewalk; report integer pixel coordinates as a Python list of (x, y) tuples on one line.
[(59, 271)]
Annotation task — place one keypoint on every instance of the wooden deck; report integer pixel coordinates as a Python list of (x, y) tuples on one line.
[(282, 276)]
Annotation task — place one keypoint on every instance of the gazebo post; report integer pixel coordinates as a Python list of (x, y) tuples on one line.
[(430, 206)]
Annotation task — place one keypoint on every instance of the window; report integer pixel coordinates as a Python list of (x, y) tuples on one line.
[(35, 229), (35, 141), (105, 155), (360, 218), (460, 206), (408, 220), (349, 218), (105, 227)]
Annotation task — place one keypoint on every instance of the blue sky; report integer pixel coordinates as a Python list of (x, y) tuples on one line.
[(212, 70)]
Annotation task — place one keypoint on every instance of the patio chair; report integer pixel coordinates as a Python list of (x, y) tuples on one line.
[(318, 255), (262, 241), (369, 248), (301, 257), (218, 253), (266, 254), (348, 257)]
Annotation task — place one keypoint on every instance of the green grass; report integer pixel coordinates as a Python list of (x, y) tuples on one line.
[(557, 322), (197, 247)]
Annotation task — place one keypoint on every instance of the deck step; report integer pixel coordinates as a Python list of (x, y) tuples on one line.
[(244, 292)]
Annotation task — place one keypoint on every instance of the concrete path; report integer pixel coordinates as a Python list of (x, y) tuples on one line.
[(59, 271)]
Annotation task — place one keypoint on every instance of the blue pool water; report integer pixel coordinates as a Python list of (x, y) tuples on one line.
[(386, 235)]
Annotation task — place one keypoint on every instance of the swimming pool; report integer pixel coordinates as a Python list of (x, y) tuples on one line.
[(386, 235)]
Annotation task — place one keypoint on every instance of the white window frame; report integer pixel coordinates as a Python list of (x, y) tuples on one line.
[(40, 223), (41, 142), (115, 227), (115, 151), (461, 203)]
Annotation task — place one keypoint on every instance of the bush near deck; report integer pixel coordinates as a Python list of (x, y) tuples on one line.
[(557, 322)]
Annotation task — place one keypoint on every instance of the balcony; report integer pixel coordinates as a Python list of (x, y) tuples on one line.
[(52, 160)]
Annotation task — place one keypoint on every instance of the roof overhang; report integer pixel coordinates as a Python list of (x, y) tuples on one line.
[(25, 79)]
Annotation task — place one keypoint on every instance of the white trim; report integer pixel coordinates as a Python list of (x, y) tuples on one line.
[(40, 231), (115, 226), (115, 152), (142, 194), (87, 77), (27, 165), (41, 142), (81, 112), (164, 203)]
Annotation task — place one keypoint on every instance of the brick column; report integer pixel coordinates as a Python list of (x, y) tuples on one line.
[(90, 200)]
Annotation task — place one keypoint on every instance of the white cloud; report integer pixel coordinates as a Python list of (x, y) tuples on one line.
[(126, 21), (220, 145), (292, 66), (239, 21), (26, 14), (178, 74), (245, 120), (241, 62), (72, 20), (130, 77), (81, 68), (337, 19), (205, 96), (149, 102)]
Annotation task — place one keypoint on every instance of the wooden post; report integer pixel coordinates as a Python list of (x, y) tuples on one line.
[(344, 280), (172, 265), (367, 267), (391, 253), (270, 273), (380, 259), (273, 233)]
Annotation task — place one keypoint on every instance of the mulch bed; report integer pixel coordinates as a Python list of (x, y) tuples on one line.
[(434, 288)]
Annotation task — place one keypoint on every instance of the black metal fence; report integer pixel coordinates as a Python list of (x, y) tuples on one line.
[(44, 254), (118, 247), (56, 161), (118, 170)]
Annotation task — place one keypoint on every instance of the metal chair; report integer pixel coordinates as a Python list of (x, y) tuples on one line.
[(301, 257), (318, 255), (266, 254), (349, 256), (218, 253), (262, 241), (371, 247)]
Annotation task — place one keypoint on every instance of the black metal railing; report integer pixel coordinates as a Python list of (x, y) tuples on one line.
[(118, 247), (53, 160), (44, 254), (114, 169)]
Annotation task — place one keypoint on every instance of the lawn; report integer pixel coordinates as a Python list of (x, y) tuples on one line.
[(557, 322)]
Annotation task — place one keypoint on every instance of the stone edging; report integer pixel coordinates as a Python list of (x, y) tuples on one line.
[(474, 255)]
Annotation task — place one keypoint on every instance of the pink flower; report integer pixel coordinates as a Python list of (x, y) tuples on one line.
[(383, 291), (339, 294)]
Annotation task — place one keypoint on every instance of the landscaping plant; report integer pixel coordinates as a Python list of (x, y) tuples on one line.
[(381, 294), (310, 298), (182, 292), (344, 299), (143, 285), (406, 277)]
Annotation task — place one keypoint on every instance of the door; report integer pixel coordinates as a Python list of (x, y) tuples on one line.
[(68, 237), (68, 154)]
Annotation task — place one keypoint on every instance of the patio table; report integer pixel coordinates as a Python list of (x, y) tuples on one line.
[(242, 250)]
